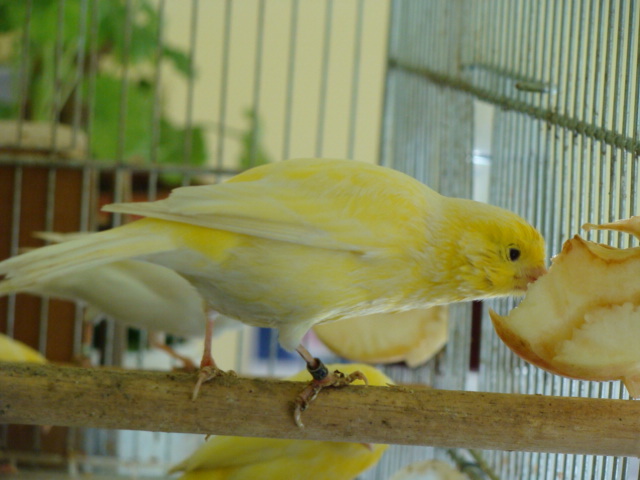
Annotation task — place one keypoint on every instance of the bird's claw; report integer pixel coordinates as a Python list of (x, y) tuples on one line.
[(311, 391), (207, 373)]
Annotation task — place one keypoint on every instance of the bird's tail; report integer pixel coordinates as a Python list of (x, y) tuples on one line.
[(26, 271)]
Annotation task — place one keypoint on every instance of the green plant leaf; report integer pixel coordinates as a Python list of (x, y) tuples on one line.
[(110, 136), (180, 61)]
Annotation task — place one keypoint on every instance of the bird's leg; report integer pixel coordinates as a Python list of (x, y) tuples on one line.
[(156, 342), (322, 378), (208, 367), (84, 357)]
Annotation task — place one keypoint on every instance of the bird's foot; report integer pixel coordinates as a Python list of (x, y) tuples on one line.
[(322, 378), (207, 373), (82, 360), (188, 366)]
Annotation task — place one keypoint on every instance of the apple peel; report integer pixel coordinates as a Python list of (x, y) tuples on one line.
[(628, 225), (582, 319), (412, 336)]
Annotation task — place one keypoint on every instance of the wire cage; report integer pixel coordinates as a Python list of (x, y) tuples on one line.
[(530, 105)]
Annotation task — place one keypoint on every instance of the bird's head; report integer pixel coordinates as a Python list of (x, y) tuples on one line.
[(500, 253)]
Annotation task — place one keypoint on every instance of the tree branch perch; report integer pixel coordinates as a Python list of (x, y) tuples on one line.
[(412, 415)]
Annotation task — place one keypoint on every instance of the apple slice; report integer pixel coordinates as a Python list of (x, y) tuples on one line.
[(628, 225), (582, 319), (413, 336)]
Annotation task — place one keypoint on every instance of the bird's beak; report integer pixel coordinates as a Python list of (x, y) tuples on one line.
[(536, 273), (533, 274), (528, 277)]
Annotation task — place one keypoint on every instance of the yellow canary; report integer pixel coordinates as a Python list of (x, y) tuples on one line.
[(292, 244), (236, 458), (12, 350)]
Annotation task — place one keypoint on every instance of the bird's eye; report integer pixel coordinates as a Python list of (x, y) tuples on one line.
[(514, 254)]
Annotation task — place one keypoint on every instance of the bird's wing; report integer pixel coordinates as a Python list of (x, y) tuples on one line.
[(25, 271), (341, 205)]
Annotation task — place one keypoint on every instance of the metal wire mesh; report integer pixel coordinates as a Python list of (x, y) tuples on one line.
[(563, 78)]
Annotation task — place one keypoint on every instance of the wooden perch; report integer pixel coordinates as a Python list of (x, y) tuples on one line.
[(412, 415)]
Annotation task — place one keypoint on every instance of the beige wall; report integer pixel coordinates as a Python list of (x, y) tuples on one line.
[(273, 86)]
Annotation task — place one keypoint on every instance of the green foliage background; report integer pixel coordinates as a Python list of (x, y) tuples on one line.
[(65, 82)]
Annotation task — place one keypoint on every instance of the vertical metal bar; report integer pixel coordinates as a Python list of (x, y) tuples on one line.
[(109, 357), (599, 117), (503, 199), (224, 81), (610, 157), (16, 209), (556, 64), (272, 359), (512, 47), (79, 75), (618, 208), (326, 55), (355, 79), (286, 144), (156, 113), (124, 88), (93, 69), (436, 58), (389, 96), (290, 84), (543, 383), (589, 106), (502, 45), (157, 79), (522, 144), (538, 181), (49, 213), (57, 81), (569, 19), (619, 48), (579, 153), (481, 46), (143, 341), (88, 47), (188, 131), (536, 69), (25, 70), (116, 344), (636, 123), (257, 81), (515, 162)]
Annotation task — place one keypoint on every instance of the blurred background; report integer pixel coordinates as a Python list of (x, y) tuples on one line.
[(531, 105)]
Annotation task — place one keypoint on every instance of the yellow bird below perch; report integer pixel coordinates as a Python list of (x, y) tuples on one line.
[(231, 458), (12, 350)]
